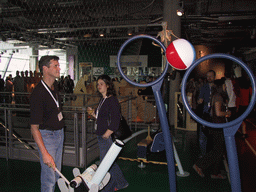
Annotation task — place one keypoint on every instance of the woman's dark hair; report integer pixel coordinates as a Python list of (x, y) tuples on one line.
[(111, 89)]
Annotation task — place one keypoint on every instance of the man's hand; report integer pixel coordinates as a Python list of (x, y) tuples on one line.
[(49, 161), (47, 158)]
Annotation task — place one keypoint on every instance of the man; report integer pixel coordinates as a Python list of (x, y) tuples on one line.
[(205, 92), (205, 99), (47, 121), (18, 83), (1, 89)]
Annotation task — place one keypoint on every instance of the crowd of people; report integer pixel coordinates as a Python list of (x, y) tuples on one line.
[(217, 101), (22, 82), (25, 82)]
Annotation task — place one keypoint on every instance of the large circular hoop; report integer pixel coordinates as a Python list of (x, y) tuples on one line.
[(120, 68), (220, 125)]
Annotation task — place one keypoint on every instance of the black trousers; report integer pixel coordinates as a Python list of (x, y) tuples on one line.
[(214, 157)]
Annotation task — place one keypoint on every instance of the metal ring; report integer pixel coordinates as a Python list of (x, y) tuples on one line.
[(119, 64), (218, 125)]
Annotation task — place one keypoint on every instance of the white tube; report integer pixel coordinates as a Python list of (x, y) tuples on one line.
[(86, 176), (134, 135), (108, 160), (60, 174), (177, 159)]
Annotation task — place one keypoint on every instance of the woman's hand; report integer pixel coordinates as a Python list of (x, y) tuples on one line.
[(91, 112), (107, 134), (228, 113)]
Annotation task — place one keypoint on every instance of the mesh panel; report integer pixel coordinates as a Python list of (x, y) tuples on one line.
[(65, 23), (77, 24)]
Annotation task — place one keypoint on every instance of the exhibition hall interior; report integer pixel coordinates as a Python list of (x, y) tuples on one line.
[(139, 44)]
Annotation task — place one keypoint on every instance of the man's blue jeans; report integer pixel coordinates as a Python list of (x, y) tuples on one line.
[(117, 179), (53, 141)]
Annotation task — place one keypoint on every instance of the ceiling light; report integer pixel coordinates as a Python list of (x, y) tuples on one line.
[(129, 32), (101, 34), (180, 10)]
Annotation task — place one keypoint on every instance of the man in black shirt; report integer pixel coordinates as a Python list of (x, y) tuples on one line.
[(47, 121)]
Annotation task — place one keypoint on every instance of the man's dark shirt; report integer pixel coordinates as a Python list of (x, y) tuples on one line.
[(43, 109), (205, 94)]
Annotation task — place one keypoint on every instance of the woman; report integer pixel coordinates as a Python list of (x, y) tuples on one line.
[(218, 115), (107, 117)]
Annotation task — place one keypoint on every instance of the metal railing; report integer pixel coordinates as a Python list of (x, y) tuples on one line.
[(16, 127), (80, 145)]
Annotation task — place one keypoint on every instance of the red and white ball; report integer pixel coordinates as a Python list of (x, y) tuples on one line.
[(180, 54)]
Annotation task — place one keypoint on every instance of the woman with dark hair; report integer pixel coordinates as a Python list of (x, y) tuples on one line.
[(218, 115), (107, 117)]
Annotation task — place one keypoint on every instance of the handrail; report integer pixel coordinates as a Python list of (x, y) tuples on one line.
[(80, 142)]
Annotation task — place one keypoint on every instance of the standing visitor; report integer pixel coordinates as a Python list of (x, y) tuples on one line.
[(47, 122), (107, 117), (212, 159), (205, 99)]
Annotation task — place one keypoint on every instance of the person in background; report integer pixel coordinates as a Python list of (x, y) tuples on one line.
[(218, 114), (18, 84), (205, 99), (1, 89), (47, 122), (107, 117), (245, 92), (26, 81), (61, 84), (68, 84), (8, 89), (231, 96), (1, 84)]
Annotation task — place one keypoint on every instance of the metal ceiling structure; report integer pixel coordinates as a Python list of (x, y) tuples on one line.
[(222, 23), (63, 23)]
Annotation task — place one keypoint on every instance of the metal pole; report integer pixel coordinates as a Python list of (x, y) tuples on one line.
[(84, 139), (6, 136), (7, 66), (10, 132), (229, 134), (129, 111), (76, 138), (166, 134)]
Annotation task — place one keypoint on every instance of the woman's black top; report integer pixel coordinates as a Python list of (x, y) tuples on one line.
[(108, 116)]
